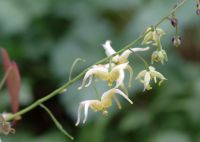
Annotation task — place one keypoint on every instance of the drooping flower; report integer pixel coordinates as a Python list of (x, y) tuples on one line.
[(100, 105), (145, 77), (174, 21), (159, 56), (176, 40), (198, 8), (102, 72), (153, 36), (5, 127), (123, 58)]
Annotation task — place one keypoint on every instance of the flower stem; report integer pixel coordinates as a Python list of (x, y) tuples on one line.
[(96, 90), (5, 77), (177, 6), (142, 59), (58, 125), (73, 65)]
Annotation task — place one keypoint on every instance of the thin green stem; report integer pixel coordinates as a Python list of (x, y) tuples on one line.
[(172, 11), (110, 65), (5, 77), (162, 20), (73, 65), (177, 6), (58, 125), (142, 59), (176, 30), (96, 90)]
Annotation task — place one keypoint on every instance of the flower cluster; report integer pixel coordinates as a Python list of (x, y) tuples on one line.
[(113, 72), (153, 36)]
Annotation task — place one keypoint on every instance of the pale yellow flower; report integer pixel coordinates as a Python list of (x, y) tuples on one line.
[(102, 72), (153, 36), (99, 105), (159, 56), (123, 58), (145, 77)]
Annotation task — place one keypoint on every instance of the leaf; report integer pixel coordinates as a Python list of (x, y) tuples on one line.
[(13, 80)]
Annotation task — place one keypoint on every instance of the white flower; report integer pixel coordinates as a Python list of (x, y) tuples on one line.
[(99, 105), (153, 36), (145, 77), (102, 72), (123, 58)]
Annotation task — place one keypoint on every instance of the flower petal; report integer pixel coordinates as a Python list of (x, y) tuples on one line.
[(158, 75), (79, 113), (141, 74), (110, 51), (120, 79), (147, 79), (124, 56), (89, 82), (108, 48), (106, 98), (86, 111), (123, 95), (117, 74), (99, 72), (130, 70), (140, 49), (119, 67)]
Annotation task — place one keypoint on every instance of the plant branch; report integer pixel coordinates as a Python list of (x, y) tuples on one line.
[(70, 82)]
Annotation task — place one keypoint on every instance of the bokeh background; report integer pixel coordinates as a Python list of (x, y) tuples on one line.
[(45, 36)]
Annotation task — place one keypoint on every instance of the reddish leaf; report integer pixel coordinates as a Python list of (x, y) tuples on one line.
[(12, 81), (6, 59)]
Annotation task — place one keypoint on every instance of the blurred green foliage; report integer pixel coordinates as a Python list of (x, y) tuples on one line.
[(46, 36)]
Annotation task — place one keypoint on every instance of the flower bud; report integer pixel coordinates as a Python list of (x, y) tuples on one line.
[(5, 127), (198, 9), (176, 40), (159, 56), (174, 21), (198, 12)]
